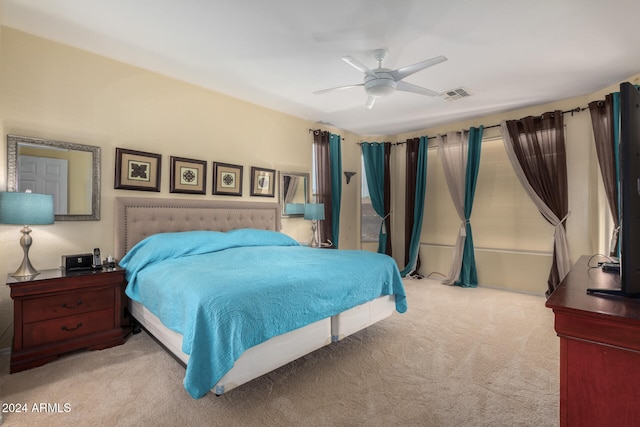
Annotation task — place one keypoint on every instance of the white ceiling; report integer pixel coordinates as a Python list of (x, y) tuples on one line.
[(508, 53)]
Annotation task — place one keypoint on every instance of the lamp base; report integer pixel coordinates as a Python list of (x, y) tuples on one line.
[(314, 234), (26, 269)]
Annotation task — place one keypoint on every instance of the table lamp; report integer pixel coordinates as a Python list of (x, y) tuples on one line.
[(26, 208), (314, 212)]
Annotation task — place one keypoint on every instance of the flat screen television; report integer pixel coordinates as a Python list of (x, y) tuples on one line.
[(629, 185)]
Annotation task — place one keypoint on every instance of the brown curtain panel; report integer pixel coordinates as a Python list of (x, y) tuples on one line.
[(323, 180), (539, 146), (413, 145), (602, 122)]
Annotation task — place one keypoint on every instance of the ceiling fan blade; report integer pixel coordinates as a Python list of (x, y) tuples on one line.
[(403, 72), (370, 101), (333, 89), (408, 87), (358, 65)]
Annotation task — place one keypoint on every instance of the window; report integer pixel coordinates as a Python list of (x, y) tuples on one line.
[(369, 219), (503, 216)]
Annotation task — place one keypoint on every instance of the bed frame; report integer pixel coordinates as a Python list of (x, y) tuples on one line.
[(138, 218)]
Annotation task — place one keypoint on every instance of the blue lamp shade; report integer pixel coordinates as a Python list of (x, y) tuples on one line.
[(314, 211), (26, 208)]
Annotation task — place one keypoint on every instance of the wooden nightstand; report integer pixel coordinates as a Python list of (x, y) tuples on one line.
[(57, 312)]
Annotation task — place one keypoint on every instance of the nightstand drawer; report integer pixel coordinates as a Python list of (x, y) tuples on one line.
[(67, 304), (63, 328)]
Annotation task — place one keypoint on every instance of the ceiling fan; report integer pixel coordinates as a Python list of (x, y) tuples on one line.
[(383, 81)]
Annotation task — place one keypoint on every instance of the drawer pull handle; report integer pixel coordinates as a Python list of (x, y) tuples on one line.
[(79, 303), (64, 328)]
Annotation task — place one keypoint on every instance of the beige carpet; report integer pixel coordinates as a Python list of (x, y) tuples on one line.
[(458, 357)]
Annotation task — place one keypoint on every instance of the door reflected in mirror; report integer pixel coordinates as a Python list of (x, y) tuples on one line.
[(68, 171), (294, 193)]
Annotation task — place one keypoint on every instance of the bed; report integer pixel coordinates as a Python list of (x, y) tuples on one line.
[(143, 223)]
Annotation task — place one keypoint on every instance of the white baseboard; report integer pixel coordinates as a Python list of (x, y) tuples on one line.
[(522, 271)]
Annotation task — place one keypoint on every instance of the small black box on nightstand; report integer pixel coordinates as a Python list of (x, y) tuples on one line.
[(77, 262)]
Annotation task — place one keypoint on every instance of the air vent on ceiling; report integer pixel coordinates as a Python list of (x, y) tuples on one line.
[(455, 94)]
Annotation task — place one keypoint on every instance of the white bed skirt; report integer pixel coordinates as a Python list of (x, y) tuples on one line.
[(254, 362), (357, 318), (279, 350)]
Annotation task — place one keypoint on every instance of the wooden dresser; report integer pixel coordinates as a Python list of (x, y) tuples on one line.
[(599, 350), (58, 312)]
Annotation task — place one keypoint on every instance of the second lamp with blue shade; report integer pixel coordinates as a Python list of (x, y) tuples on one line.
[(314, 212)]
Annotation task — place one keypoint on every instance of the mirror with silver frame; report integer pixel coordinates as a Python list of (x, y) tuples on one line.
[(294, 193), (68, 171)]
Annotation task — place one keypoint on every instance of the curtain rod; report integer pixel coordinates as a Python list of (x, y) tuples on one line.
[(320, 130), (571, 111)]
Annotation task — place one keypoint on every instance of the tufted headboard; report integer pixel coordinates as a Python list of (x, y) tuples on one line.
[(137, 218)]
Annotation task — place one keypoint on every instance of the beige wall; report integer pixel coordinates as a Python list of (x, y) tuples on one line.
[(48, 90)]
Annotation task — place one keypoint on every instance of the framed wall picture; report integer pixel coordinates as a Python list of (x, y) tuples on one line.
[(262, 182), (188, 176), (137, 170), (227, 179)]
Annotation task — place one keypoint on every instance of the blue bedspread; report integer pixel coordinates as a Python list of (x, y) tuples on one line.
[(237, 289)]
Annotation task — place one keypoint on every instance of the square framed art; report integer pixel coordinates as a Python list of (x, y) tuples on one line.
[(227, 179), (188, 176), (137, 170), (262, 182)]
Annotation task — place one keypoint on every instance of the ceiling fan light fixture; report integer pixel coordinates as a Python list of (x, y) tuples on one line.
[(380, 86), (383, 81)]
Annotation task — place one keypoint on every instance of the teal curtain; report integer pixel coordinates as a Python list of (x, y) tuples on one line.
[(605, 121), (335, 154), (328, 183), (373, 157), (418, 209), (468, 273), (616, 153)]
